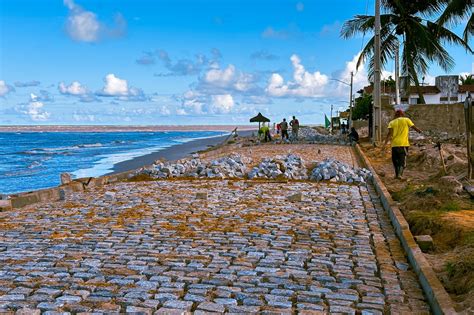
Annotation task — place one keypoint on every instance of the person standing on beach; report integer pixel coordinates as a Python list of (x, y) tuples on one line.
[(398, 132), (295, 126), (284, 129)]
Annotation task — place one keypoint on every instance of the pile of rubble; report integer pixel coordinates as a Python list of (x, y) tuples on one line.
[(290, 166), (313, 136), (336, 171), (226, 167)]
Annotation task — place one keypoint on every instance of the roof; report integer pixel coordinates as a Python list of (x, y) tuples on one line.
[(426, 89), (259, 118), (466, 88)]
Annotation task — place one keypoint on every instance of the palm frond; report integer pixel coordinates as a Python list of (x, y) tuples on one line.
[(455, 11), (363, 24), (445, 35), (469, 30)]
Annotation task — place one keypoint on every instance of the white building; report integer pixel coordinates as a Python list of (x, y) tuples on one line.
[(446, 91)]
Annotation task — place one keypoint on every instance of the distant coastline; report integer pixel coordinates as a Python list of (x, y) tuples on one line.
[(114, 128)]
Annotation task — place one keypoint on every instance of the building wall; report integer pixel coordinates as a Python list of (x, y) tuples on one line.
[(437, 118)]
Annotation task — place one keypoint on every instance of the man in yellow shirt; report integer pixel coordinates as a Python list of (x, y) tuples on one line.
[(398, 131)]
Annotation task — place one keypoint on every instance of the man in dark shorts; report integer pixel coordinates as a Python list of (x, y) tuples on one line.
[(398, 132), (284, 129), (295, 126)]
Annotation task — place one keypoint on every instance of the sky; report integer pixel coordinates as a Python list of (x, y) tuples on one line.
[(143, 62)]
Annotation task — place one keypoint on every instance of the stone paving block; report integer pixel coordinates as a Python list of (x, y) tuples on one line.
[(211, 307), (178, 304), (245, 248)]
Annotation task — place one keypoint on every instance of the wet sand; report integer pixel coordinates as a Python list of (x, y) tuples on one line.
[(174, 152)]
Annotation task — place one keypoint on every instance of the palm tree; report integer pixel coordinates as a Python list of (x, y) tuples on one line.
[(406, 22), (467, 80), (456, 11)]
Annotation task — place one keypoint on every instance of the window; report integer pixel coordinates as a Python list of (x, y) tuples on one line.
[(413, 100)]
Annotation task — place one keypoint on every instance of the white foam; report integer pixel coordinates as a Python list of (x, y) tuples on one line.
[(106, 163)]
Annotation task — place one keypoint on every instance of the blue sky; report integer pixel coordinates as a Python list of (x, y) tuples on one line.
[(178, 62)]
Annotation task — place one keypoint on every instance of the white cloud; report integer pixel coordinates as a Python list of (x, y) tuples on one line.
[(220, 77), (35, 110), (114, 86), (304, 84), (222, 104), (5, 88), (84, 26), (223, 81), (81, 25), (75, 88)]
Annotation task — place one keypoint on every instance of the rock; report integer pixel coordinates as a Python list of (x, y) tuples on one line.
[(470, 190), (65, 178), (28, 311), (211, 307), (296, 197), (109, 195), (336, 171), (425, 242), (450, 184), (290, 166)]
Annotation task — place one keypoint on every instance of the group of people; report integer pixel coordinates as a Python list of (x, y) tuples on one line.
[(398, 132), (283, 128)]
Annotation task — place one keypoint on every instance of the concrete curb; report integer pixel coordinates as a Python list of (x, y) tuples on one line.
[(58, 193), (438, 299)]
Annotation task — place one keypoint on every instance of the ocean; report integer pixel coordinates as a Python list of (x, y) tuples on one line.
[(34, 160)]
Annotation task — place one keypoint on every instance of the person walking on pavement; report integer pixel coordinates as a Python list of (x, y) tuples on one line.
[(284, 129), (398, 132), (295, 126)]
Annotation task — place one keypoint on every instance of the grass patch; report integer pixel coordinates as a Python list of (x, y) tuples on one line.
[(451, 205), (460, 272), (405, 191), (141, 178)]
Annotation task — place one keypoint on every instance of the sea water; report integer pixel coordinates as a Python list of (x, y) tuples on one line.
[(34, 160)]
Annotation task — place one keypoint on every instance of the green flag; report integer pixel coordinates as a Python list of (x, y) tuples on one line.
[(327, 123)]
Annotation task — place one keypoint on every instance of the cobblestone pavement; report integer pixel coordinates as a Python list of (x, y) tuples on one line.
[(171, 247)]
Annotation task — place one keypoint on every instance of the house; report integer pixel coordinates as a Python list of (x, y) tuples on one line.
[(445, 91)]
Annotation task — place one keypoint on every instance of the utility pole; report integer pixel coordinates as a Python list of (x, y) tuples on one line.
[(331, 118), (349, 124), (377, 115), (397, 74)]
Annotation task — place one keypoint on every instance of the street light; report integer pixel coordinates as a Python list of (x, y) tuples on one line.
[(350, 96)]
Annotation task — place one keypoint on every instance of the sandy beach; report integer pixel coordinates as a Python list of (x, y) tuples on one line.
[(174, 152)]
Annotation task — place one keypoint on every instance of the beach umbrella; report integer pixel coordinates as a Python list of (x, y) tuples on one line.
[(259, 118)]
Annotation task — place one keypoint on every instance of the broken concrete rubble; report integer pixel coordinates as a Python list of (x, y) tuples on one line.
[(334, 170)]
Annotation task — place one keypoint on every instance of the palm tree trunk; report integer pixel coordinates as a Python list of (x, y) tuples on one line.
[(421, 99), (414, 76)]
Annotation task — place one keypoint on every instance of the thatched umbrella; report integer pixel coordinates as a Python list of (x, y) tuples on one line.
[(259, 118)]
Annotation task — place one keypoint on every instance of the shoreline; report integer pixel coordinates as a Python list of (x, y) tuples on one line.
[(172, 153)]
